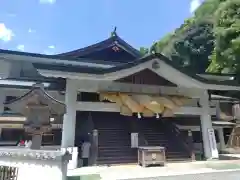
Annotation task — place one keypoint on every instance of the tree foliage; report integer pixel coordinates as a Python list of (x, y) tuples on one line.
[(207, 9), (211, 36), (227, 38), (189, 46), (144, 51)]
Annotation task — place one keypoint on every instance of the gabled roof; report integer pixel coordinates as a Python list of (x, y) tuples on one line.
[(113, 50), (49, 59), (97, 50), (169, 70), (101, 70), (36, 96), (105, 71)]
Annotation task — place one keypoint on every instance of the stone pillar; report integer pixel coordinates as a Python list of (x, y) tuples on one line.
[(69, 120), (209, 140), (69, 123), (221, 139), (36, 141)]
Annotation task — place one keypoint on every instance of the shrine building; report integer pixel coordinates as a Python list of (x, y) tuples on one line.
[(120, 99)]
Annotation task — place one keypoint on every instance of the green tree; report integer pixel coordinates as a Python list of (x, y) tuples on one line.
[(207, 9), (144, 51), (194, 46), (189, 46), (159, 46), (227, 38)]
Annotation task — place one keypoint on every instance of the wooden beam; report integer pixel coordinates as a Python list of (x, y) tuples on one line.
[(112, 107), (20, 126), (110, 86)]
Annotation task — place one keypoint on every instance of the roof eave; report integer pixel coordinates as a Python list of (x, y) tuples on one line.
[(148, 63)]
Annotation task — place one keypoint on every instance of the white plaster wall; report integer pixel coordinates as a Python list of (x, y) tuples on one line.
[(37, 169), (39, 172), (72, 164)]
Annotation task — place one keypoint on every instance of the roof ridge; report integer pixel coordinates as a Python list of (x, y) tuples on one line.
[(111, 41)]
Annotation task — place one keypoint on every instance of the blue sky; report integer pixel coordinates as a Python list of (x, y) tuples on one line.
[(54, 26)]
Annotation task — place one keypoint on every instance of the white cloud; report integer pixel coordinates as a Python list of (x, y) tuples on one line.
[(47, 1), (48, 52), (194, 5), (30, 30), (11, 15), (6, 34), (51, 47), (21, 47)]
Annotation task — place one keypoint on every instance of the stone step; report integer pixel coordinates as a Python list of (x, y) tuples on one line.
[(116, 154), (117, 160)]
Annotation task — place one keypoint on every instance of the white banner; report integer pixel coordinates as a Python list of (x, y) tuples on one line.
[(134, 140), (212, 142)]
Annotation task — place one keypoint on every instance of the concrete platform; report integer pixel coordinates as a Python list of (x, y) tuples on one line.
[(229, 156), (190, 170)]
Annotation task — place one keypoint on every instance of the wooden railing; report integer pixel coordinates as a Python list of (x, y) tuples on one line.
[(8, 173), (188, 145)]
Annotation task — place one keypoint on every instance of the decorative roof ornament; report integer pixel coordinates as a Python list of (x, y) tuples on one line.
[(114, 32), (155, 65), (115, 49)]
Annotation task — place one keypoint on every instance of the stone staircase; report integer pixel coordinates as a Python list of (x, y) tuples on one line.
[(160, 133), (114, 138), (114, 142)]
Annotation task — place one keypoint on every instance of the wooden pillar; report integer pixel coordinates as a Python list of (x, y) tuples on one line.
[(221, 138), (94, 148), (191, 145)]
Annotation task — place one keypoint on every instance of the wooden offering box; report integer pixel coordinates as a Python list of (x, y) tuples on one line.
[(151, 155)]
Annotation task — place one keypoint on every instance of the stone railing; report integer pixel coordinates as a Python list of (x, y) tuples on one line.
[(36, 164)]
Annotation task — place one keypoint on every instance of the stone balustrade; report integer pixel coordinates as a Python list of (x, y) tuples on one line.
[(36, 164)]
